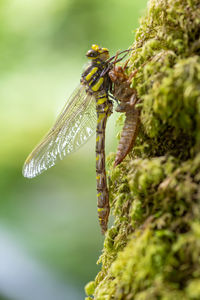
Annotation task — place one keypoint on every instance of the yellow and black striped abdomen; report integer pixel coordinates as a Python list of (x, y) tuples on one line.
[(104, 109)]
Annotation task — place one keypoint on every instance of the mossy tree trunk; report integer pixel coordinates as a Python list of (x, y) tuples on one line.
[(153, 249)]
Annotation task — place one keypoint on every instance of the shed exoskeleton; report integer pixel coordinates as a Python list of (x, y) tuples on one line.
[(127, 98)]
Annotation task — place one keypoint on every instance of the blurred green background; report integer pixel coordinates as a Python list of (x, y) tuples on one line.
[(50, 238)]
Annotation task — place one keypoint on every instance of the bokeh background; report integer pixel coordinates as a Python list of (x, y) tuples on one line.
[(50, 239)]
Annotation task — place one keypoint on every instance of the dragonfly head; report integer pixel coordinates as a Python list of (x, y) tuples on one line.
[(97, 52)]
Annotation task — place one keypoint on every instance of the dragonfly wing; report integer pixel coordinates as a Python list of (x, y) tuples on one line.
[(73, 127)]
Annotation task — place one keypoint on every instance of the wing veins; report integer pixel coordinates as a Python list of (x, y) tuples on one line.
[(74, 125)]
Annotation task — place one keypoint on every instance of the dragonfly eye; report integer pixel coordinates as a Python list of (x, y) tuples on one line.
[(98, 52), (92, 54)]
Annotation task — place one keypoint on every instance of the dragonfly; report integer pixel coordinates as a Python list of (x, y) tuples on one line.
[(85, 113)]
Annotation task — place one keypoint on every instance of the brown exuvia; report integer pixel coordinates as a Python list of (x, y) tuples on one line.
[(127, 98)]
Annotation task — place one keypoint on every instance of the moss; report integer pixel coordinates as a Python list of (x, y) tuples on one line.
[(89, 288), (152, 251)]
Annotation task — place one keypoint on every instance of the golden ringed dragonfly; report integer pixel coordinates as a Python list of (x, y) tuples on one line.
[(85, 112)]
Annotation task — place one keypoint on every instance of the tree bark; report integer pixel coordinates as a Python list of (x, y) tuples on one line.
[(153, 249)]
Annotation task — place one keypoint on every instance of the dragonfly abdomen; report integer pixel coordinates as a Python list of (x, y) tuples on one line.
[(104, 109)]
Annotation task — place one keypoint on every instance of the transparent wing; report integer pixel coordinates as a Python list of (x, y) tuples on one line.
[(75, 124)]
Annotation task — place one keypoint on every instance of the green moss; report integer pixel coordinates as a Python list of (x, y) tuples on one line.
[(89, 288), (152, 251)]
